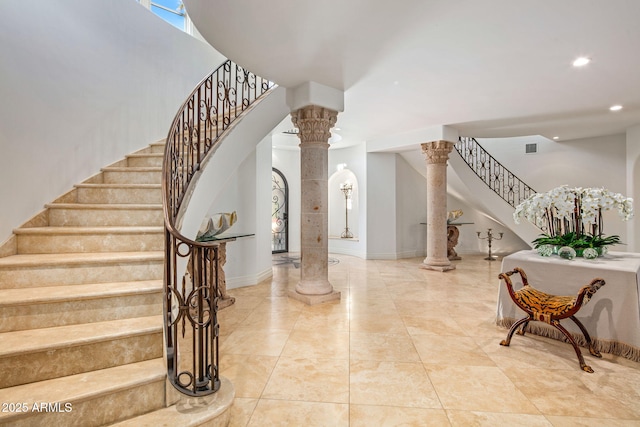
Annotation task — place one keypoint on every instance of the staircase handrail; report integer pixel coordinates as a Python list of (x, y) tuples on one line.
[(493, 173), (190, 301)]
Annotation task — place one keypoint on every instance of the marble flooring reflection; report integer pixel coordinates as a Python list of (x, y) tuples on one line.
[(411, 347)]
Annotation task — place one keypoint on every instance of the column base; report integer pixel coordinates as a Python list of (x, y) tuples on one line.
[(314, 299), (438, 267), (311, 286), (437, 264)]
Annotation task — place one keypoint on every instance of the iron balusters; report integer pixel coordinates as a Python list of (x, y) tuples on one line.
[(192, 268), (504, 183)]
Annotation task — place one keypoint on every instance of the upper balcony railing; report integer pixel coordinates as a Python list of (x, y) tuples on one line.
[(191, 267), (497, 177)]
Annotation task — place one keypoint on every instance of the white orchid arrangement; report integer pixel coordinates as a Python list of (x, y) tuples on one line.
[(565, 210)]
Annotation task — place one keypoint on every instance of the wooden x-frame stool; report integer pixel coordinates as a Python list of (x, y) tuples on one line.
[(550, 309)]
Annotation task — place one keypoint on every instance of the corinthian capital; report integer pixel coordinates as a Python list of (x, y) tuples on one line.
[(437, 151), (314, 124)]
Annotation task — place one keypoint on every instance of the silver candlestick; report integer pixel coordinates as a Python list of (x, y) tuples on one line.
[(490, 237)]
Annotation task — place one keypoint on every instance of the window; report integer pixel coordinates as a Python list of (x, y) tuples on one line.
[(171, 11)]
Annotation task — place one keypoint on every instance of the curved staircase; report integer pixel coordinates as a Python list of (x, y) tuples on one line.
[(81, 305)]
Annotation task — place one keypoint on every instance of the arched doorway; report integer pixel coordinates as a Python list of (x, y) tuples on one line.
[(279, 212)]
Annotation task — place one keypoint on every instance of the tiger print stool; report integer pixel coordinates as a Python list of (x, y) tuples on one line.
[(551, 309)]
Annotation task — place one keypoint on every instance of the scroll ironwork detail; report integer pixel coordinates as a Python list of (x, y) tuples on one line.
[(279, 214), (497, 177), (192, 268)]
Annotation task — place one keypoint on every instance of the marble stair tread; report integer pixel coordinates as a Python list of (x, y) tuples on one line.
[(53, 294), (189, 411), (79, 258), (106, 206), (72, 230), (82, 387), (132, 169), (145, 159), (104, 214), (157, 147), (145, 154), (154, 147), (46, 339), (124, 186)]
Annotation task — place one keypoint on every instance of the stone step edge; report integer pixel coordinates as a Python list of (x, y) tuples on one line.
[(147, 154), (124, 186), (105, 206), (69, 336), (91, 230), (79, 388), (132, 169), (64, 293), (89, 259), (161, 141), (189, 411)]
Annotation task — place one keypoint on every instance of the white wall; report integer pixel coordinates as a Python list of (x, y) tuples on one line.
[(263, 209), (633, 185), (591, 162), (239, 195), (411, 210), (587, 162), (381, 206), (84, 82), (248, 193)]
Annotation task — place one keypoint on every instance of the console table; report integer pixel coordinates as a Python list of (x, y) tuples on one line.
[(225, 299), (612, 317)]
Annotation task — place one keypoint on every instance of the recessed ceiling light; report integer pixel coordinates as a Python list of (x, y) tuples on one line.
[(556, 137), (615, 108), (581, 62), (337, 129)]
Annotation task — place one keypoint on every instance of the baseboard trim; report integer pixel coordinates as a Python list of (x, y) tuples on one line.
[(343, 251), (249, 280), (396, 255)]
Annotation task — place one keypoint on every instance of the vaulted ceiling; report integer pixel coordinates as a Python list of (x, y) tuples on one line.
[(487, 68)]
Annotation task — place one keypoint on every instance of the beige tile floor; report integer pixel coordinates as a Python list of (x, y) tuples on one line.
[(411, 347)]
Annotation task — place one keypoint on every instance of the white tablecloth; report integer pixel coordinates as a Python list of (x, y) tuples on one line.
[(612, 317)]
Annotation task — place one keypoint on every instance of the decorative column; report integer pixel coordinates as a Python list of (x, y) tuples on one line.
[(314, 123), (437, 154)]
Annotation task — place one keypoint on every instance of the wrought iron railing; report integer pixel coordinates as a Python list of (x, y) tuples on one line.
[(504, 183), (191, 267)]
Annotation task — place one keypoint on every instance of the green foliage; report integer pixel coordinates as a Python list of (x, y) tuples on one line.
[(577, 242)]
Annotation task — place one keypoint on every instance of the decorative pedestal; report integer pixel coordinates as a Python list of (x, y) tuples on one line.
[(452, 240), (225, 300)]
